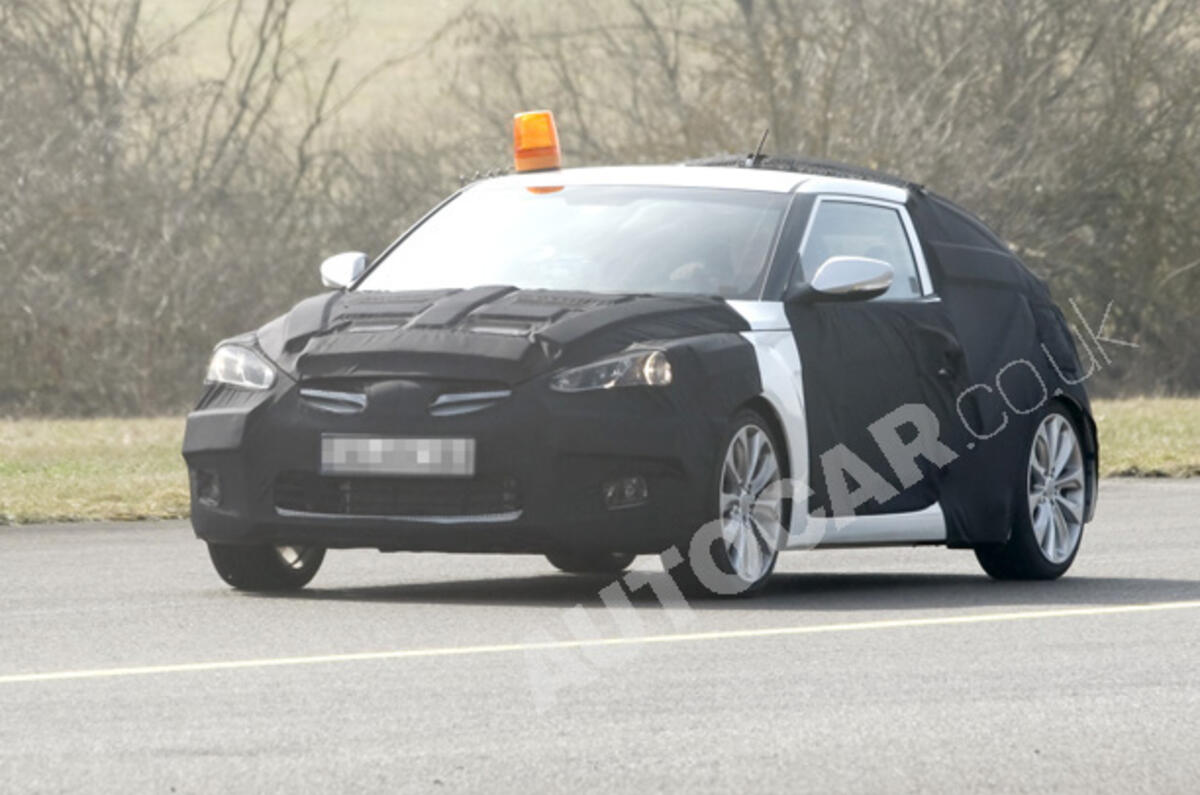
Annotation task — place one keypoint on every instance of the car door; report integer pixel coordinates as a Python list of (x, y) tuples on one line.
[(880, 376)]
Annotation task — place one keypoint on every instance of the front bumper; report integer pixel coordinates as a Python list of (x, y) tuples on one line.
[(542, 459)]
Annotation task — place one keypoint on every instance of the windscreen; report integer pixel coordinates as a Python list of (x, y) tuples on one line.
[(627, 239)]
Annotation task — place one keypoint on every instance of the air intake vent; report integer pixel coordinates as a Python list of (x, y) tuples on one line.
[(334, 402), (506, 328), (454, 403), (480, 499)]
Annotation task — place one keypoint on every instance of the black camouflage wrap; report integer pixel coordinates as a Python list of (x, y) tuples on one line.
[(1018, 354), (404, 350), (986, 358)]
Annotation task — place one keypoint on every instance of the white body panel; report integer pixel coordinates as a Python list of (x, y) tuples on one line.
[(782, 384), (782, 377), (702, 177), (665, 176), (927, 526), (763, 315), (856, 188)]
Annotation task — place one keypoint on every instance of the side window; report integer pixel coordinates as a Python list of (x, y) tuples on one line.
[(851, 229)]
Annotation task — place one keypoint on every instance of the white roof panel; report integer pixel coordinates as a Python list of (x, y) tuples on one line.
[(667, 176), (699, 177)]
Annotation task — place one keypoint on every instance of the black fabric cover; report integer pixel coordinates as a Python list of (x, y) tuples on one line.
[(861, 361), (986, 358), (497, 333), (402, 351), (1018, 354)]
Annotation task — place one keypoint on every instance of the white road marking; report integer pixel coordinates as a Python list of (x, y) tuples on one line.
[(687, 637)]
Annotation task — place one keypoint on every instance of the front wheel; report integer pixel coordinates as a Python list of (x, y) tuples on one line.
[(266, 568), (735, 554), (1053, 495)]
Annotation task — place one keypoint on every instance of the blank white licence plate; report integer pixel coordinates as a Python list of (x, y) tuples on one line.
[(361, 455)]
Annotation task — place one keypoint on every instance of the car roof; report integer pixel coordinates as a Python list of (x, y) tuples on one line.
[(702, 176)]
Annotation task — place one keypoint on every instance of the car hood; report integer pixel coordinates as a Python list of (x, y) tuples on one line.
[(493, 333)]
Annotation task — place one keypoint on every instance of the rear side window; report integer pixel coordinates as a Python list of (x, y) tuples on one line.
[(852, 229)]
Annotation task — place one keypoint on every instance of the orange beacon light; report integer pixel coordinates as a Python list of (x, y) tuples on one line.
[(535, 141)]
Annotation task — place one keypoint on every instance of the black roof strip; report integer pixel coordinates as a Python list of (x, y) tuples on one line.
[(808, 165)]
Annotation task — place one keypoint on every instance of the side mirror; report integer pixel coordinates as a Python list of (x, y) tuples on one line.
[(340, 270), (846, 279)]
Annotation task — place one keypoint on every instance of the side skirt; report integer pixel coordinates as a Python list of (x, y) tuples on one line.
[(926, 526)]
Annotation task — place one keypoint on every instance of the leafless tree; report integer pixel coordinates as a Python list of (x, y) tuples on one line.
[(1071, 125), (146, 212)]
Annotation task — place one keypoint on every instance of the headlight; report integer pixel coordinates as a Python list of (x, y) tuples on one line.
[(238, 366), (641, 368)]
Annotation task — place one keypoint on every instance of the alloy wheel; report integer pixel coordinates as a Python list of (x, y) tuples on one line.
[(295, 558), (1056, 488), (749, 507)]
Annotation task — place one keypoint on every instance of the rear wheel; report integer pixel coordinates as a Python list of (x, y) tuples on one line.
[(735, 555), (266, 568), (590, 562), (1053, 494)]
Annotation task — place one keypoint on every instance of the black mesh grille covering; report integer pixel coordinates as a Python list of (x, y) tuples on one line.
[(309, 492)]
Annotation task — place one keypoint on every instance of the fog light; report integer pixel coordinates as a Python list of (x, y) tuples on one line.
[(208, 488), (625, 492)]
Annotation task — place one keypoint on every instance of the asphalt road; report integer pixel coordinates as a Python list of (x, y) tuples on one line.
[(125, 665)]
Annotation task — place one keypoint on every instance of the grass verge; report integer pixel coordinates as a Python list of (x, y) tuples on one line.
[(1149, 437), (73, 470)]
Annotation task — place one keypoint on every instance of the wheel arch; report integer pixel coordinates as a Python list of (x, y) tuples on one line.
[(778, 396), (1091, 447), (763, 407)]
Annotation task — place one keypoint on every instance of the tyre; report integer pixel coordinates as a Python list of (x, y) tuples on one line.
[(735, 554), (1052, 489), (266, 568), (590, 562)]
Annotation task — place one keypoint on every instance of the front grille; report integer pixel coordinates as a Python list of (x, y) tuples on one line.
[(307, 492), (335, 402), (452, 404)]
